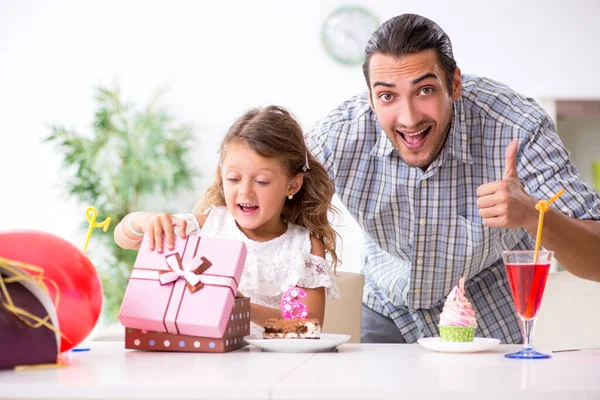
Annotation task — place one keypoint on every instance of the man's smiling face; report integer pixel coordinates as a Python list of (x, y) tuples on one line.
[(413, 106)]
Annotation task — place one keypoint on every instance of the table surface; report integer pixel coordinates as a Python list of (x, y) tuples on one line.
[(355, 371)]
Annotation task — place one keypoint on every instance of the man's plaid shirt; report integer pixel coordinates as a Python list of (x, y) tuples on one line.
[(422, 229)]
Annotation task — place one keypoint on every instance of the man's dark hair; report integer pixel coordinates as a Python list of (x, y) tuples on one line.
[(408, 34)]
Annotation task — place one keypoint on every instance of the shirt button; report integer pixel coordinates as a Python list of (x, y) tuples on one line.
[(428, 318), (423, 222), (420, 261), (417, 290)]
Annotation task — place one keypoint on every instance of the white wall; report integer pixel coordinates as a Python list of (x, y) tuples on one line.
[(222, 57)]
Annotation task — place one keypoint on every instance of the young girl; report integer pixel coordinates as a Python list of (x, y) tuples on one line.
[(270, 193)]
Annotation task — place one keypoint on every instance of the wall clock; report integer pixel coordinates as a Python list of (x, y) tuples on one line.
[(346, 32)]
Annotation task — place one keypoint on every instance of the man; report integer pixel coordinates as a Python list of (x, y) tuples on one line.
[(443, 173)]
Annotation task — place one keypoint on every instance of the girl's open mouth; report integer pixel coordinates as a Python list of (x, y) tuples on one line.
[(247, 208)]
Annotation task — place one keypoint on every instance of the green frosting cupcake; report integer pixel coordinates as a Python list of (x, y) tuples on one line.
[(457, 333)]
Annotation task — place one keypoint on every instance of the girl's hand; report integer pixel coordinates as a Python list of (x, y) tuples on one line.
[(157, 224)]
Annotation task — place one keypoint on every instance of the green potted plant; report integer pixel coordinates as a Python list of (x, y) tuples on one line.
[(129, 156)]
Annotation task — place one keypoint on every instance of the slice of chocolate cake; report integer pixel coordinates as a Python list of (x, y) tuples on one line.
[(277, 328)]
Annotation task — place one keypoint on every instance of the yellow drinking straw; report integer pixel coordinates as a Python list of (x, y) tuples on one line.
[(90, 216), (542, 206)]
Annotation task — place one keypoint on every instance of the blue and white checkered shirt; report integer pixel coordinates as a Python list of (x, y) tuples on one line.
[(422, 229)]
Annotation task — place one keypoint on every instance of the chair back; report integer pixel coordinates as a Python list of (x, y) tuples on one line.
[(568, 316), (343, 315)]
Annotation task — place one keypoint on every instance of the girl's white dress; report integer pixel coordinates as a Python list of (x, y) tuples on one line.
[(272, 267)]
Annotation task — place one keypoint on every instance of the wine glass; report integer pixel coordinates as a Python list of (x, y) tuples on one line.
[(527, 279)]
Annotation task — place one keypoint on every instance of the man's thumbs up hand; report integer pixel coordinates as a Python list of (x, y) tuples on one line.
[(510, 159), (504, 203)]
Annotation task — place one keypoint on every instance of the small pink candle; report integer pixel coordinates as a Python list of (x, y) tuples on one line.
[(291, 307)]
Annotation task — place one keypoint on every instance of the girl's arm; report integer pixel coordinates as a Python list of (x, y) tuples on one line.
[(128, 234), (314, 300), (132, 229)]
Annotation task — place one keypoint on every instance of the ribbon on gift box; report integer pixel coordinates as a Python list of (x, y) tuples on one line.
[(35, 276), (189, 270), (186, 270)]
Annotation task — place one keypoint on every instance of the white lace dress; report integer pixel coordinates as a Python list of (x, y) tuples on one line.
[(273, 267)]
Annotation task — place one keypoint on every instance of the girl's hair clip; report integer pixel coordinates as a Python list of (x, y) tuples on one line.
[(306, 167)]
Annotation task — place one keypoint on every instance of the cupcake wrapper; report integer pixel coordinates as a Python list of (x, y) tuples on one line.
[(457, 333)]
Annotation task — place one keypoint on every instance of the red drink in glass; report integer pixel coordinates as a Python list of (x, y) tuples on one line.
[(527, 283), (527, 273)]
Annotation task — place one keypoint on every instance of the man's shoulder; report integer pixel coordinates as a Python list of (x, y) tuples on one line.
[(479, 86), (351, 112), (486, 98)]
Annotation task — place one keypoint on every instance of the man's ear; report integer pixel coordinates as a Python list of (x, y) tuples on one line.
[(295, 184), (456, 84)]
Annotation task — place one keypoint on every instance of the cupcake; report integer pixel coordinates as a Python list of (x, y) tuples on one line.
[(457, 320)]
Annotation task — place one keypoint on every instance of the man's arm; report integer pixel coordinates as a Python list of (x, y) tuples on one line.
[(575, 242)]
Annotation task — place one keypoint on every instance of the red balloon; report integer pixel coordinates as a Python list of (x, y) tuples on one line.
[(80, 296)]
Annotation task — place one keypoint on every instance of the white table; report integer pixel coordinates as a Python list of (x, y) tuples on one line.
[(357, 371), (412, 372)]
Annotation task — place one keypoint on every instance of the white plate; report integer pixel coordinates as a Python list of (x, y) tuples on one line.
[(478, 344), (327, 342)]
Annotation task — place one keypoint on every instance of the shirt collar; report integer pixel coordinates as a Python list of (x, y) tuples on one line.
[(457, 144), (383, 147)]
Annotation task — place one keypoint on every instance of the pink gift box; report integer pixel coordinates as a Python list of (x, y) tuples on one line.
[(189, 290)]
